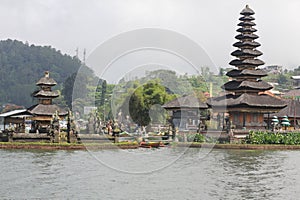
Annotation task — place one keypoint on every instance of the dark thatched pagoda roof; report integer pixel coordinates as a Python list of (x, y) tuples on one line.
[(246, 18), (252, 44), (291, 110), (244, 36), (46, 80), (246, 30), (185, 102), (253, 62), (46, 110), (247, 85), (43, 93), (246, 23), (245, 89), (249, 100), (246, 72), (246, 52), (247, 11)]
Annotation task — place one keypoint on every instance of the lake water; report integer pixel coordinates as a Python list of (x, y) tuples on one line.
[(220, 174)]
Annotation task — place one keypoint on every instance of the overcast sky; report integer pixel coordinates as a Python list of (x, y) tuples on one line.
[(68, 24)]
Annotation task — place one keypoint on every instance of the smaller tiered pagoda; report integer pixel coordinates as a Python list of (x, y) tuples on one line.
[(44, 110)]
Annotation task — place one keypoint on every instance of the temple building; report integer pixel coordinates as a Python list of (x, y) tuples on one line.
[(43, 111), (245, 99), (187, 112)]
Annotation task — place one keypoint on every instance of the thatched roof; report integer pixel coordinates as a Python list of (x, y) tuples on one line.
[(247, 11), (254, 62), (246, 72), (46, 110), (246, 18), (185, 102), (46, 80), (291, 110), (246, 52), (43, 93), (246, 30), (246, 23), (249, 100), (252, 44), (247, 85), (244, 36), (12, 113)]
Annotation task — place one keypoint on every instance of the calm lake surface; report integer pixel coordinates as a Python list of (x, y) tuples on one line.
[(106, 174)]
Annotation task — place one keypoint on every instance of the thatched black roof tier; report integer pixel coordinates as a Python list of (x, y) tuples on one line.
[(43, 93), (246, 52), (248, 36), (246, 30), (247, 18), (46, 110), (247, 11), (247, 85), (250, 44), (247, 100), (185, 102), (253, 62), (246, 23), (46, 80), (246, 72), (292, 110)]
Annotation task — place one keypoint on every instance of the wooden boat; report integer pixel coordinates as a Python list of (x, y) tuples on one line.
[(151, 144)]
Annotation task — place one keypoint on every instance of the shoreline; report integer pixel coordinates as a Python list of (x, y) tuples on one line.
[(66, 146), (241, 146)]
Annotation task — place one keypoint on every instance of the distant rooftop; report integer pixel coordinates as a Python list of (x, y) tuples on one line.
[(296, 77)]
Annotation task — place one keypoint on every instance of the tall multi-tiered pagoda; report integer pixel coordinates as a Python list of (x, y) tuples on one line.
[(245, 101), (44, 110)]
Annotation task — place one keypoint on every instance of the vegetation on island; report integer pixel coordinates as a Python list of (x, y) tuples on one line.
[(265, 137)]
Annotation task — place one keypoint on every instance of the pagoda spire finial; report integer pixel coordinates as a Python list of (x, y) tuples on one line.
[(47, 74)]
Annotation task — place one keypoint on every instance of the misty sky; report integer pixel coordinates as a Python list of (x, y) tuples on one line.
[(68, 24)]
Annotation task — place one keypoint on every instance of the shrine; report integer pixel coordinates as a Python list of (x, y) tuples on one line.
[(43, 111), (245, 99)]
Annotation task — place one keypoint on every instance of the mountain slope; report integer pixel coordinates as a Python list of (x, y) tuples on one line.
[(21, 65)]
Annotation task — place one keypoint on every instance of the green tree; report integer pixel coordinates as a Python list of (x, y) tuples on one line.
[(143, 99)]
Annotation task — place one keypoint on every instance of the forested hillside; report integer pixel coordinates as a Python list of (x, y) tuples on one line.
[(21, 65)]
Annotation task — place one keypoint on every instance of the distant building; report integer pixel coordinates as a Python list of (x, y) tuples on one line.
[(273, 69), (292, 111), (187, 112), (296, 81)]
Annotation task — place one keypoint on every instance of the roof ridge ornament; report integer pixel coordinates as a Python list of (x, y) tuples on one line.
[(47, 74)]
